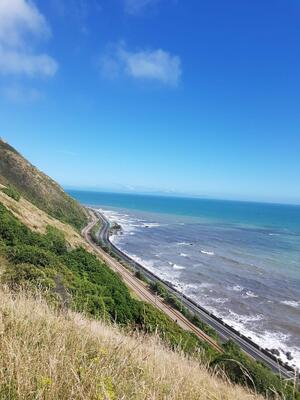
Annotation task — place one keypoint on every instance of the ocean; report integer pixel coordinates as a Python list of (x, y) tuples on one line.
[(239, 260)]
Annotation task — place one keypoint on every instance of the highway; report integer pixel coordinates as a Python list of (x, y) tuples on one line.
[(140, 288), (224, 331)]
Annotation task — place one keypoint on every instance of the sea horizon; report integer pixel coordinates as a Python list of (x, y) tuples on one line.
[(74, 189)]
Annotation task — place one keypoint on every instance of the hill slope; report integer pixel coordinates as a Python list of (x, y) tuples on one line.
[(38, 188), (52, 355)]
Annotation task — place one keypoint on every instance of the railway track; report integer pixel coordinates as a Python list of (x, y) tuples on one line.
[(224, 331), (143, 292)]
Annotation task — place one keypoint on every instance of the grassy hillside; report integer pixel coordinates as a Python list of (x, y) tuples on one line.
[(38, 188), (38, 220), (76, 279), (49, 354)]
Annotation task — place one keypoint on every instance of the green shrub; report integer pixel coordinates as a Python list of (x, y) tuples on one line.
[(244, 370), (95, 231), (54, 241), (12, 192), (141, 276), (24, 274), (32, 255)]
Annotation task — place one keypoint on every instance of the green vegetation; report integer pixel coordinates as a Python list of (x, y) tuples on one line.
[(169, 298), (38, 188), (94, 232), (141, 277), (79, 280), (243, 370), (11, 192)]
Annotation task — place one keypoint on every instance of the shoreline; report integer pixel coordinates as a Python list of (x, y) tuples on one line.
[(191, 303), (229, 324)]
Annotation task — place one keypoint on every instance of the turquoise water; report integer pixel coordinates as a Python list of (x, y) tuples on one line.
[(240, 260), (256, 214)]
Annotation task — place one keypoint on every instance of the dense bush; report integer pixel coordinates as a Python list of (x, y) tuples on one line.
[(141, 276), (11, 192), (28, 274), (94, 232), (92, 277)]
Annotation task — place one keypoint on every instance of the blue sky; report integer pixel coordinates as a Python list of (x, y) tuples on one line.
[(169, 96)]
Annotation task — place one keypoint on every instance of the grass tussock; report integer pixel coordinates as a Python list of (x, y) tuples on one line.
[(50, 354)]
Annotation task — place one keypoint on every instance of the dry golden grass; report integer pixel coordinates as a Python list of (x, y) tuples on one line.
[(48, 354), (38, 220)]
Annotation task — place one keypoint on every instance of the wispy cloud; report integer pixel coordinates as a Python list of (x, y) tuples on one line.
[(21, 95), (77, 12), (22, 62), (155, 65), (136, 7), (21, 25)]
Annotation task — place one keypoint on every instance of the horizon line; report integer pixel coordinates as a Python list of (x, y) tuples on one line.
[(177, 195)]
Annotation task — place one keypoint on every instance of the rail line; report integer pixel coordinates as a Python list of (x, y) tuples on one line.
[(140, 289), (224, 330)]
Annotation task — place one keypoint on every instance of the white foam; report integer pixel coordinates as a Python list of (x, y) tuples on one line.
[(249, 294), (279, 341), (128, 223), (183, 255), (114, 239), (237, 288), (244, 319), (197, 286), (183, 244), (208, 253), (191, 286), (291, 303), (221, 300), (149, 264), (178, 267), (150, 225), (266, 339)]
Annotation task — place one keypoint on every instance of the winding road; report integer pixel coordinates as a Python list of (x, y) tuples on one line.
[(137, 286)]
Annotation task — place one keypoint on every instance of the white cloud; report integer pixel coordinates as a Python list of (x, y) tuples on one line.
[(21, 24), (156, 65), (19, 62), (17, 18), (135, 7)]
